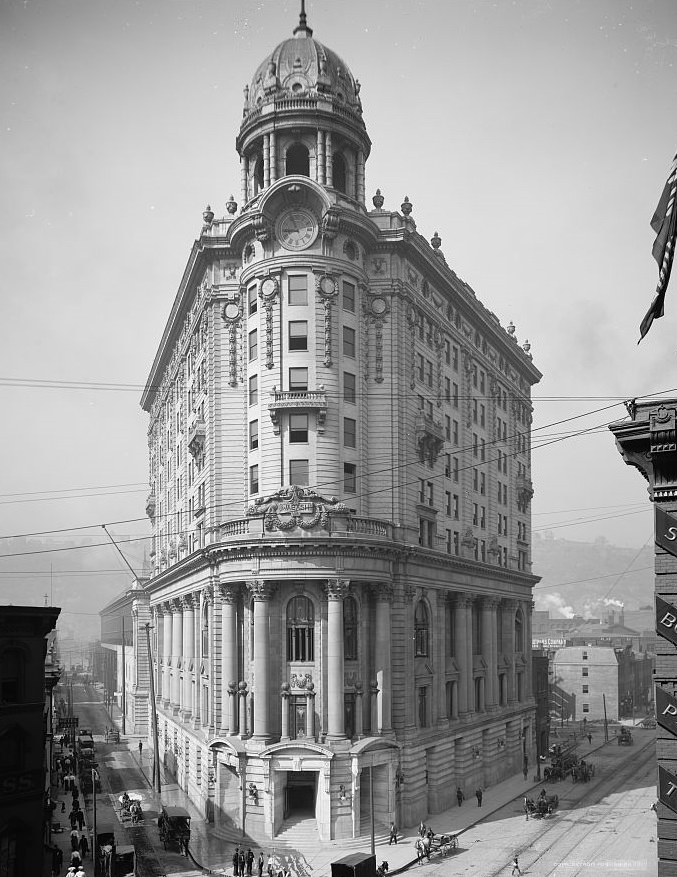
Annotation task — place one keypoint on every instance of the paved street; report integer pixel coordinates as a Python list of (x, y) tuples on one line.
[(606, 820)]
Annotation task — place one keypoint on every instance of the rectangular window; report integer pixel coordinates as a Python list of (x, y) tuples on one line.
[(483, 517), (447, 426), (454, 395), (483, 483), (349, 478), (447, 465), (483, 415), (431, 492), (348, 387), (586, 707), (475, 479), (298, 380), (426, 532), (348, 341), (586, 689), (421, 491), (349, 432), (457, 543), (421, 367), (447, 497), (447, 390), (253, 344), (429, 373), (298, 335), (253, 435), (253, 297), (348, 296), (298, 429), (253, 390), (455, 358), (455, 507), (253, 479), (447, 351), (298, 289), (475, 444), (474, 410), (454, 432), (450, 543), (423, 707), (475, 514), (298, 472), (584, 671), (455, 469), (585, 656)]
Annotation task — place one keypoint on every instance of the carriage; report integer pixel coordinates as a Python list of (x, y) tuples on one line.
[(544, 805), (562, 759), (130, 808), (624, 737), (174, 826), (436, 843)]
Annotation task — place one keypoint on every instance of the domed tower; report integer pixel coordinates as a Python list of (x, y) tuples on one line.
[(303, 115)]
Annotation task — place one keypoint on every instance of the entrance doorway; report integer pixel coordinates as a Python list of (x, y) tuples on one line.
[(300, 793)]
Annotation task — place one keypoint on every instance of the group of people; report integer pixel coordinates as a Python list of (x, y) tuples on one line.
[(460, 797), (243, 863)]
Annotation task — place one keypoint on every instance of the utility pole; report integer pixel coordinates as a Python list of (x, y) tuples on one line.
[(156, 747), (124, 678), (95, 857)]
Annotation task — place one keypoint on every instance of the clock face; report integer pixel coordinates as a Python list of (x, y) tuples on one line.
[(327, 285), (297, 229), (232, 311), (378, 306), (268, 287)]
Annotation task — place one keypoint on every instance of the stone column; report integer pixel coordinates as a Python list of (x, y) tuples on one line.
[(469, 662), (188, 654), (359, 706), (336, 590), (528, 690), (496, 651), (310, 711), (383, 594), (284, 697), (242, 719), (487, 608), (177, 653), (509, 610), (461, 651), (229, 674), (266, 161), (273, 157), (321, 168), (261, 592), (244, 174), (166, 653), (360, 176), (328, 159)]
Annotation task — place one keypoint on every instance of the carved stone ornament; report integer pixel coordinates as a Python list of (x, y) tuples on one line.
[(336, 589), (296, 506), (268, 292), (301, 680), (327, 289), (260, 589), (232, 315)]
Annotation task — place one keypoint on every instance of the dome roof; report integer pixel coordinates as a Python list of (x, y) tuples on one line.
[(299, 67)]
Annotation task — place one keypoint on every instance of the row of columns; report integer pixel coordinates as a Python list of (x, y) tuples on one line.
[(323, 165), (179, 677)]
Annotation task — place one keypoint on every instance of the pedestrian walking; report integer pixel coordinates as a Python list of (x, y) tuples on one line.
[(81, 818), (73, 819), (75, 839), (236, 862), (84, 844), (57, 860), (242, 863), (76, 859), (421, 829), (526, 807), (261, 863), (478, 795), (525, 771), (393, 834), (590, 739), (515, 867), (250, 862), (270, 869), (459, 795)]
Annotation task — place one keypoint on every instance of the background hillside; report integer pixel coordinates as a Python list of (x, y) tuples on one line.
[(583, 578)]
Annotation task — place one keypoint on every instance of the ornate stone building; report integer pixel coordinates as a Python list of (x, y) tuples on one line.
[(339, 449)]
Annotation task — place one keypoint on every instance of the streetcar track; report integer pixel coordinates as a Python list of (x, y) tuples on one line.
[(614, 781)]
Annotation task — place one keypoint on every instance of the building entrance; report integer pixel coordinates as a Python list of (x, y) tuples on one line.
[(300, 793)]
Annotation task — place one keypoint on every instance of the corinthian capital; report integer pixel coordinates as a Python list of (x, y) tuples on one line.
[(228, 593), (382, 592), (260, 589), (336, 589)]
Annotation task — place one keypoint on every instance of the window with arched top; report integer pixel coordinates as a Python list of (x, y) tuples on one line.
[(519, 631), (12, 676), (421, 630), (205, 630), (300, 629), (258, 173), (298, 160), (338, 170), (350, 629)]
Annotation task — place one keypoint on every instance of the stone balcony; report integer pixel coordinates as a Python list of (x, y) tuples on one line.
[(429, 436), (196, 437), (345, 526), (298, 400)]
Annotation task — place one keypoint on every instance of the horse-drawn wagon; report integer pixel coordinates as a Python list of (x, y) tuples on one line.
[(431, 842), (544, 805), (174, 826), (562, 759)]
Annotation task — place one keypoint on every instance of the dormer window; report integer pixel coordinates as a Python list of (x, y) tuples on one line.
[(298, 160)]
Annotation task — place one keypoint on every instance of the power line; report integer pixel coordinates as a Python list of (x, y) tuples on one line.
[(73, 489)]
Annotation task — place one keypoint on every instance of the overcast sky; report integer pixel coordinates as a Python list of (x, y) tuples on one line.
[(535, 136)]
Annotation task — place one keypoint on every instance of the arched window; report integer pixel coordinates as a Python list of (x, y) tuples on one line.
[(519, 632), (350, 629), (421, 631), (300, 629), (258, 174), (12, 675), (338, 166), (298, 160)]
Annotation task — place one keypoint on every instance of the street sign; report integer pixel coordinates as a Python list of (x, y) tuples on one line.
[(666, 710), (666, 620), (667, 788), (665, 533)]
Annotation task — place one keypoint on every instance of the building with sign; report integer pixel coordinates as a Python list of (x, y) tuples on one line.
[(340, 486), (25, 716), (647, 440)]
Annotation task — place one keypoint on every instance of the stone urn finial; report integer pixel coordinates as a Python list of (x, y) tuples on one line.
[(436, 241), (406, 206), (208, 215), (377, 200), (231, 205)]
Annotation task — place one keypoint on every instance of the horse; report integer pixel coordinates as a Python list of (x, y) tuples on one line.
[(422, 846)]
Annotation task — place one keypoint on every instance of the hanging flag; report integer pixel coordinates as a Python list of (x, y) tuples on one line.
[(664, 223)]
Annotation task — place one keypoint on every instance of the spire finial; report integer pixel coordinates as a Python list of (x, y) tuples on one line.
[(302, 25)]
